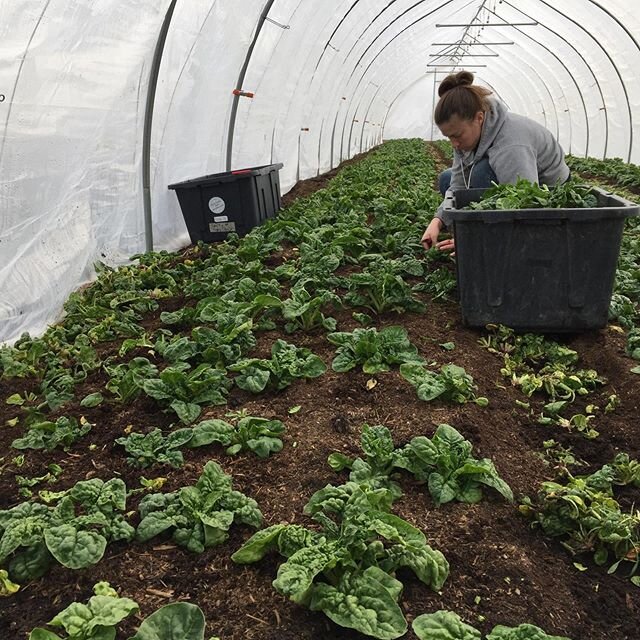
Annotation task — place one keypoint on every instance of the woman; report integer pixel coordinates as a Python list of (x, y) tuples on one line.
[(490, 145)]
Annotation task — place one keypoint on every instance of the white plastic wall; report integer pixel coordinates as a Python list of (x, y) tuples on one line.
[(330, 79), (73, 77)]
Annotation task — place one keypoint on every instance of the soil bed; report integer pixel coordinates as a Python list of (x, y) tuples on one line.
[(502, 570)]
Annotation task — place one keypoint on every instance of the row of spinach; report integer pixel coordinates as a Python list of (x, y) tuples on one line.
[(106, 609), (344, 566)]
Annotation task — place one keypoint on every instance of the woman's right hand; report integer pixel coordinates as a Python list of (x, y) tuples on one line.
[(430, 236), (446, 245)]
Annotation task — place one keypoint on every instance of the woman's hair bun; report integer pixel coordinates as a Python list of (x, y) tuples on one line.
[(460, 79)]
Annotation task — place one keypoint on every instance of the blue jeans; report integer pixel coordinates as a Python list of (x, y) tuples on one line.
[(482, 176)]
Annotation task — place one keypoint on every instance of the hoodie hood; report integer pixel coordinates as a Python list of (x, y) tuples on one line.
[(493, 120)]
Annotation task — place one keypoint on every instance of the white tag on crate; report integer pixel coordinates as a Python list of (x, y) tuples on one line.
[(222, 227)]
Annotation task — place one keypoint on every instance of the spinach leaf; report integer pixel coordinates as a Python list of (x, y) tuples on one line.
[(443, 625), (176, 621)]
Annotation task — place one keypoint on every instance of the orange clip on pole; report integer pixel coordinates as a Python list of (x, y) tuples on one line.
[(244, 94)]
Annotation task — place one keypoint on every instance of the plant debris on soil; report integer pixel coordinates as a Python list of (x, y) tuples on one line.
[(503, 571)]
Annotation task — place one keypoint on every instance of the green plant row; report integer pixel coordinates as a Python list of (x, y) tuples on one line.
[(617, 170), (184, 392), (98, 619), (83, 520)]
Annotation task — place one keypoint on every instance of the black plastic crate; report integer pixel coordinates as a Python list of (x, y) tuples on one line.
[(234, 201), (544, 270)]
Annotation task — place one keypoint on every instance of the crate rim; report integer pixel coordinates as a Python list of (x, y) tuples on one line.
[(621, 208), (227, 176)]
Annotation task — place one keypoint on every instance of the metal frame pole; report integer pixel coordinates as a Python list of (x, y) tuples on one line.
[(148, 122)]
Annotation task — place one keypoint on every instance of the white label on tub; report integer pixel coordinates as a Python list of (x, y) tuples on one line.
[(222, 227)]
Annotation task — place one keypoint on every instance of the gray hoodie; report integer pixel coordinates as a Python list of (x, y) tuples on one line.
[(515, 147)]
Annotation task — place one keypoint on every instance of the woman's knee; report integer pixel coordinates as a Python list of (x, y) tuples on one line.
[(444, 180)]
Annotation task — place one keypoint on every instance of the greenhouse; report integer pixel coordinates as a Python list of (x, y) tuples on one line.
[(244, 394)]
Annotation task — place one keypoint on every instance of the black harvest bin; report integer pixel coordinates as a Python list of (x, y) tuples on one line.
[(234, 201), (545, 270)]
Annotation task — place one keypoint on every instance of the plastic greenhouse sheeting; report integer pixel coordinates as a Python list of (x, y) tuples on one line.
[(323, 82)]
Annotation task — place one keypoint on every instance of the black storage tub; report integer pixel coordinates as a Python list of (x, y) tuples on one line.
[(234, 201), (544, 270)]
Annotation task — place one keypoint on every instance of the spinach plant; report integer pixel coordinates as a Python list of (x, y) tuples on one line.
[(624, 311), (452, 384), (380, 288), (287, 364), (48, 435), (444, 462), (371, 349), (439, 282), (154, 448), (230, 338), (249, 433), (183, 390), (198, 517), (303, 310), (316, 268), (126, 379), (75, 532), (346, 569), (582, 511), (24, 358), (378, 463)]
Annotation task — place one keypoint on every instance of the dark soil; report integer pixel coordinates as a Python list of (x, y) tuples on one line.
[(502, 570), (443, 160)]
